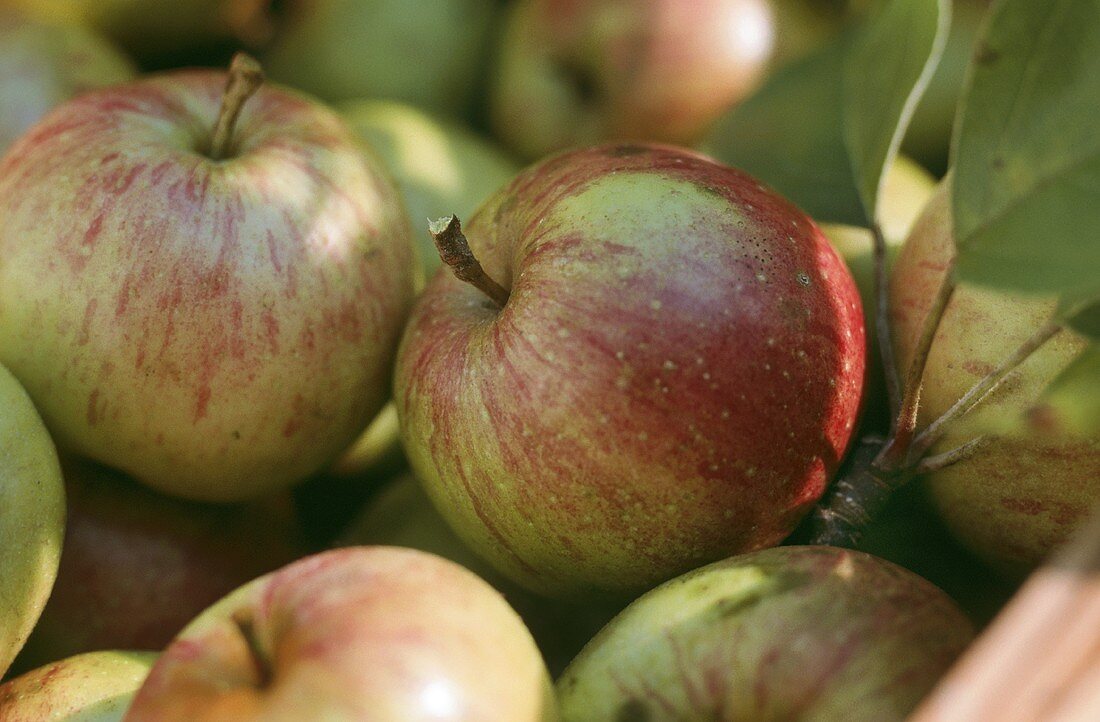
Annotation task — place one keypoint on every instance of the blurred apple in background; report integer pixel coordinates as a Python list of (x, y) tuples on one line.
[(807, 633), (1017, 497), (42, 65), (440, 167), (218, 324), (402, 515), (93, 687), (156, 30), (356, 633), (673, 377), (430, 53), (32, 516), (580, 72), (906, 189), (137, 566)]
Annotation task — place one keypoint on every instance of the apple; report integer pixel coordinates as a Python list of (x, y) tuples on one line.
[(806, 633), (673, 376), (137, 566), (429, 53), (1018, 496), (216, 317), (440, 166), (42, 65), (580, 72), (32, 516), (401, 514), (357, 633), (906, 189), (92, 687), (154, 29)]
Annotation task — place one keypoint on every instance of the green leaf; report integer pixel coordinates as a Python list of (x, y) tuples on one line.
[(1071, 403), (1082, 316), (822, 130), (1027, 150)]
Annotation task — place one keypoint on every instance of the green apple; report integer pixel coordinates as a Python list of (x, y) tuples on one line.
[(440, 166), (576, 73), (360, 633), (32, 516), (216, 323), (790, 633), (1020, 496), (905, 191), (403, 515), (92, 687), (43, 64), (429, 53), (673, 378)]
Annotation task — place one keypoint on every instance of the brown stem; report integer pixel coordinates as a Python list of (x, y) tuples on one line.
[(882, 321), (455, 251), (245, 78), (905, 423), (984, 386), (850, 505), (246, 626)]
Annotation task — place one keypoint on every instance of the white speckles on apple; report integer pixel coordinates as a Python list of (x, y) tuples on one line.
[(762, 278), (725, 413), (706, 375), (655, 304), (563, 333), (750, 472), (668, 365), (643, 436), (622, 382), (803, 278)]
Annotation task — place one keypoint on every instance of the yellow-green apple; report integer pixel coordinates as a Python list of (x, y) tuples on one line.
[(440, 167), (575, 72), (152, 29), (378, 633), (906, 189), (42, 65), (32, 516), (790, 633), (401, 514), (137, 566), (215, 316), (672, 378), (430, 53), (1018, 496), (92, 687)]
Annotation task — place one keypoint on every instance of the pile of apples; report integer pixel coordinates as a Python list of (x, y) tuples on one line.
[(275, 447)]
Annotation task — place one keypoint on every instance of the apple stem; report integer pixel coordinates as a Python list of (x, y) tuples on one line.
[(882, 321), (983, 387), (247, 628), (245, 78), (455, 251)]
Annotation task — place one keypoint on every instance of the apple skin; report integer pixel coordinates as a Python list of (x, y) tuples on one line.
[(401, 514), (905, 191), (357, 633), (42, 65), (32, 516), (215, 329), (428, 53), (673, 379), (92, 687), (137, 566), (576, 72), (1018, 496), (807, 633)]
